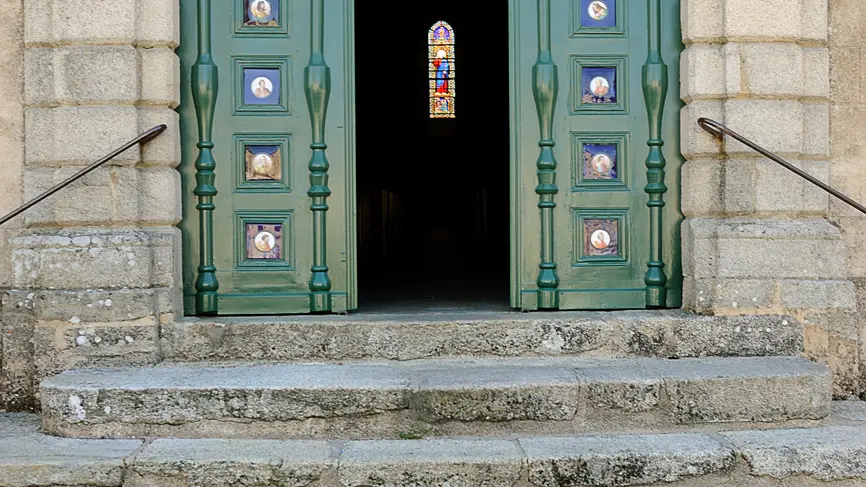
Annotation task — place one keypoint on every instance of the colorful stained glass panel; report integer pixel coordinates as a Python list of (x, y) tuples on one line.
[(261, 86), (263, 162), (600, 161), (261, 12), (441, 64), (598, 13), (599, 84), (601, 237), (264, 241)]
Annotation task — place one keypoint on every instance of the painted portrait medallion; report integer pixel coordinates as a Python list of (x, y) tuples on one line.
[(263, 162), (261, 13), (264, 241), (598, 10), (261, 9), (598, 14), (601, 237), (601, 163), (262, 87), (599, 86), (263, 165)]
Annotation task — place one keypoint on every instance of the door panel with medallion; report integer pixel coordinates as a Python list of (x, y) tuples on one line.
[(282, 238), (597, 123)]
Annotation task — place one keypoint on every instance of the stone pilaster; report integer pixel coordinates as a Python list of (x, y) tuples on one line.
[(97, 266), (846, 341), (756, 238), (16, 353)]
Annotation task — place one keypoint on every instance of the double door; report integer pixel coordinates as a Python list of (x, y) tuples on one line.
[(268, 125)]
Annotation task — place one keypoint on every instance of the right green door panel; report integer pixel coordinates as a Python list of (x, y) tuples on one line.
[(585, 75)]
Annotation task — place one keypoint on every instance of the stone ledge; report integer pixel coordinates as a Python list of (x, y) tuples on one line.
[(29, 458), (448, 396), (406, 337), (833, 455), (96, 259)]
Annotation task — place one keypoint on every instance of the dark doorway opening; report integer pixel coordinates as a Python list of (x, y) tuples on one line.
[(433, 194)]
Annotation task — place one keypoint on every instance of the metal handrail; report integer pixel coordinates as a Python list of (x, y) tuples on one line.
[(141, 139), (719, 131)]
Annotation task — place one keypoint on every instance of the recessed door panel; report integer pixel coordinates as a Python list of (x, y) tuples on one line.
[(281, 229), (584, 231)]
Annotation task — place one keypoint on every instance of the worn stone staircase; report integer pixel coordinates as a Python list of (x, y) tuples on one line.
[(565, 399)]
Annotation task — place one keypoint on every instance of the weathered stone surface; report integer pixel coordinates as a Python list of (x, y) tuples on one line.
[(717, 390), (703, 20), (853, 410), (144, 22), (739, 248), (831, 453), (29, 459), (229, 462), (406, 337), (165, 149), (88, 134), (96, 259), (179, 395), (107, 196), (456, 463), (81, 75), (623, 460), (818, 295), (160, 77), (821, 456), (17, 368), (743, 336), (443, 395), (496, 391)]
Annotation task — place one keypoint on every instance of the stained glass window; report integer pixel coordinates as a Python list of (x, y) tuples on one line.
[(440, 41)]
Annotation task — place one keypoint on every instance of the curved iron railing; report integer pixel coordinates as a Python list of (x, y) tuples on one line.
[(141, 139), (719, 131)]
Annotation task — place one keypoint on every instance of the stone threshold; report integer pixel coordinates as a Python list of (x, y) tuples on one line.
[(830, 455), (439, 397), (409, 336)]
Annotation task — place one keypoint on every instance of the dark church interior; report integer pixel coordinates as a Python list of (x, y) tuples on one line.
[(433, 194)]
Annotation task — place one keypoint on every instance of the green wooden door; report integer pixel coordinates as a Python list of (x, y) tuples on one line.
[(267, 123), (595, 155)]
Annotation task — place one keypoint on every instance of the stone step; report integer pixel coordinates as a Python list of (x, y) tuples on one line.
[(390, 336), (441, 397), (829, 455)]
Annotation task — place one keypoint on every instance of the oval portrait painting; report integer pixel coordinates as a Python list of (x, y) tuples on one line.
[(598, 10), (602, 163), (262, 87), (599, 86), (263, 165), (600, 239), (265, 242), (260, 9)]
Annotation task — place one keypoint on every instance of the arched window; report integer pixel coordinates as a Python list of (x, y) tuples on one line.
[(440, 41)]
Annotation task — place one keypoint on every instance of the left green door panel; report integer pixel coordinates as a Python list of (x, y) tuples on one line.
[(283, 127)]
